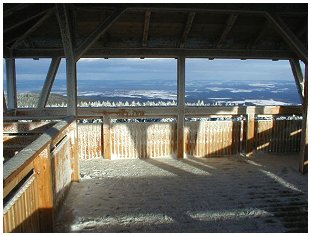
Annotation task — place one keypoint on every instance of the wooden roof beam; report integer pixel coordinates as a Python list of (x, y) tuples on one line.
[(25, 18), (64, 26), (160, 52), (262, 33), (9, 11), (100, 30), (289, 37), (33, 28), (146, 28), (187, 29), (231, 20)]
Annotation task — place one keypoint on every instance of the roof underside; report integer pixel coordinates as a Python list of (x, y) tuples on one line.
[(156, 30)]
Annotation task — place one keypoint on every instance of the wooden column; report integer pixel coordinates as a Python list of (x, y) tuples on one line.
[(11, 83), (5, 108), (303, 165), (48, 83), (180, 106), (71, 73)]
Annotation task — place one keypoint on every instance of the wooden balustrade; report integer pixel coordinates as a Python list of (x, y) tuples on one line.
[(36, 178)]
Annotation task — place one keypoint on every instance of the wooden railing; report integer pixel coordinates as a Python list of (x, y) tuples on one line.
[(36, 179), (241, 133)]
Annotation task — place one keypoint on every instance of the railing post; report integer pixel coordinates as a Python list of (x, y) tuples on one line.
[(106, 147), (11, 83), (250, 134), (42, 166), (75, 177), (180, 106)]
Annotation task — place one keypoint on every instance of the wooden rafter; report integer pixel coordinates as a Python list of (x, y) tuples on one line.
[(100, 30), (48, 83), (146, 28), (64, 26), (11, 10), (187, 29), (26, 18), (262, 33), (33, 28), (231, 20), (289, 37)]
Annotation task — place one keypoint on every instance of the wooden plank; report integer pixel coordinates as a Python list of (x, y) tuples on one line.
[(75, 177), (180, 106), (289, 37), (48, 83), (106, 140), (42, 165), (100, 30), (230, 23), (146, 28), (187, 29), (11, 83)]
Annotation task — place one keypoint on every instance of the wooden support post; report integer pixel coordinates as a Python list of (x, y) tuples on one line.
[(106, 143), (75, 176), (71, 73), (180, 106), (250, 135), (48, 83), (11, 83), (42, 166), (303, 165), (296, 69), (5, 108)]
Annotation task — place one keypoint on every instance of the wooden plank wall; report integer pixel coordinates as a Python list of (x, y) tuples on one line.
[(61, 163), (37, 179), (202, 139), (212, 138), (278, 136), (20, 214), (90, 140), (143, 140)]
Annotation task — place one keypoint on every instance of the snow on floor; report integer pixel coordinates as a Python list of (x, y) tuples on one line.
[(228, 194)]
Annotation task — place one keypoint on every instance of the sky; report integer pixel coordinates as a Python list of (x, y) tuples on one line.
[(137, 69)]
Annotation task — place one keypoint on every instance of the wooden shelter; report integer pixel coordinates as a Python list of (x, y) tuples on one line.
[(73, 31)]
